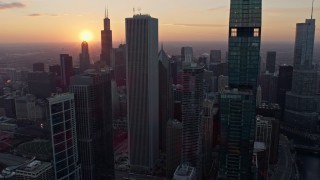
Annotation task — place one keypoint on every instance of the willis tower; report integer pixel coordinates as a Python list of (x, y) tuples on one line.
[(106, 42)]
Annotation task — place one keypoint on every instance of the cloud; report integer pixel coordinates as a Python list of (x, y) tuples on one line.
[(11, 5), (34, 14), (38, 14), (199, 25), (218, 8)]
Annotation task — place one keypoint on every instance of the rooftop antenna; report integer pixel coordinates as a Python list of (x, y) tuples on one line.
[(139, 11), (134, 11), (105, 11), (312, 9)]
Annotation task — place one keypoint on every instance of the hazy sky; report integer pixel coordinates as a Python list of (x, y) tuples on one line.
[(179, 20)]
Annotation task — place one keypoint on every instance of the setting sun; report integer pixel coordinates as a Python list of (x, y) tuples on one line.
[(86, 36)]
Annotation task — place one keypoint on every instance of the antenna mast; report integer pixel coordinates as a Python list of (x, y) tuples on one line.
[(312, 9)]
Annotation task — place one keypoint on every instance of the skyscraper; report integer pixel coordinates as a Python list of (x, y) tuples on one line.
[(165, 96), (271, 61), (66, 70), (192, 103), (120, 66), (301, 105), (143, 91), (92, 96), (244, 43), (284, 85), (187, 54), (215, 56), (64, 136), (84, 57), (237, 106), (106, 42)]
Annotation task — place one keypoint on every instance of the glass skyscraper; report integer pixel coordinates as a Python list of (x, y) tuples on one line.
[(244, 43), (301, 105), (237, 105)]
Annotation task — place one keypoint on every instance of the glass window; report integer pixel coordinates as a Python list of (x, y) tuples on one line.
[(256, 32), (234, 32)]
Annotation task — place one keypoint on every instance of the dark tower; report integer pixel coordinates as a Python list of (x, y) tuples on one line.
[(106, 42), (84, 57)]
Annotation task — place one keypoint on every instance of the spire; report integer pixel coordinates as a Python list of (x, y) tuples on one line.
[(105, 12), (312, 9)]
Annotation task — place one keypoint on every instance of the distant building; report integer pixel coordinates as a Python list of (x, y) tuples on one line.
[(173, 146), (56, 71), (106, 42), (9, 106), (259, 96), (215, 56), (66, 70), (38, 67), (269, 87), (185, 172), (64, 136), (119, 65), (223, 82), (271, 61), (35, 170), (143, 91), (92, 97), (84, 57), (187, 54), (41, 84), (284, 85)]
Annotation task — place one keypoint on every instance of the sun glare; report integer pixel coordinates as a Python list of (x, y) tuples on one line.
[(86, 36)]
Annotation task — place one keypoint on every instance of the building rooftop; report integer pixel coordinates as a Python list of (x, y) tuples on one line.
[(184, 171)]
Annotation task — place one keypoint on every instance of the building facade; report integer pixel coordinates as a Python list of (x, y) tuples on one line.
[(92, 97), (192, 103)]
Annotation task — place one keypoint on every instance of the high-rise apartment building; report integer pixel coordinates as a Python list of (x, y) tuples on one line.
[(237, 106), (64, 136), (301, 105), (84, 57), (92, 97), (106, 42), (192, 103), (271, 61), (66, 65), (143, 91)]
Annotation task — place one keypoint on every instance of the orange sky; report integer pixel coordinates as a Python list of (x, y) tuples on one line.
[(179, 20)]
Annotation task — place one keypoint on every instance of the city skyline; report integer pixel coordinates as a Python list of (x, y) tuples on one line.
[(178, 21)]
